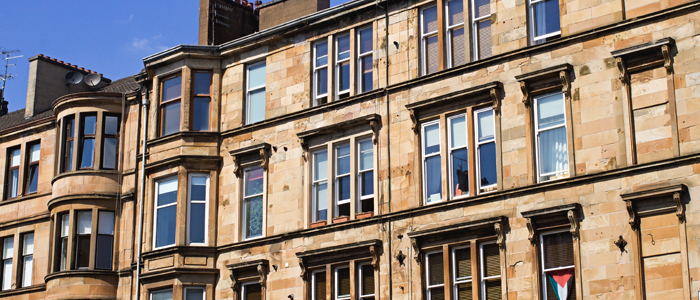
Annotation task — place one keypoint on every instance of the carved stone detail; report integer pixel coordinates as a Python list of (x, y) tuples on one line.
[(531, 230), (374, 124), (262, 271), (501, 239), (304, 149), (414, 120), (375, 256), (666, 51), (234, 284), (236, 166), (526, 93), (302, 266), (680, 208), (565, 82), (496, 101), (633, 216), (416, 250), (573, 220), (622, 69), (265, 159)]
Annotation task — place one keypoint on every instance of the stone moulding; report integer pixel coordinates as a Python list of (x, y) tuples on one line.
[(491, 226), (660, 48), (259, 267), (566, 213), (365, 249), (672, 192), (545, 80), (262, 150), (373, 121)]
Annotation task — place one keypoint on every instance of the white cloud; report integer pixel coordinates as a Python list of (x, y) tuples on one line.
[(147, 44)]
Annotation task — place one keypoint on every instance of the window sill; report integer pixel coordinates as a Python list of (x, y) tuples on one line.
[(84, 172), (79, 273), (23, 198), (24, 290), (182, 134), (178, 249)]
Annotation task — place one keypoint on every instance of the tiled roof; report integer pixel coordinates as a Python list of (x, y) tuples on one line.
[(16, 118), (124, 85)]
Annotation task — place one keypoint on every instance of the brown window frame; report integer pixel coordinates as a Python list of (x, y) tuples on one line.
[(106, 136), (82, 137), (70, 240), (29, 164), (10, 169), (163, 104), (68, 136), (195, 96)]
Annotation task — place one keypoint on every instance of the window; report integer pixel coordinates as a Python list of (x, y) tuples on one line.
[(8, 249), (255, 99), (557, 260), (105, 240), (461, 273), (432, 178), (544, 15), (481, 28), (366, 282), (253, 202), (201, 99), (62, 251), (69, 137), (82, 239), (165, 213), (342, 66), (434, 275), (320, 186), (162, 295), (456, 45), (485, 136), (459, 156), (110, 142), (318, 285), (32, 177), (195, 293), (251, 291), (550, 130), (342, 276), (342, 180), (320, 80), (429, 41), (197, 221), (490, 269), (171, 92), (27, 259), (87, 149), (365, 60), (12, 179), (365, 153), (342, 283)]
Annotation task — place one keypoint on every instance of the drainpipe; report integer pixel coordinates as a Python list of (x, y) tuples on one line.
[(142, 195), (388, 141)]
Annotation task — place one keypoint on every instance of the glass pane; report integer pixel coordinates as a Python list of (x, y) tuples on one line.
[(366, 40), (343, 282), (430, 19), (70, 127), (200, 114), (493, 290), (28, 244), (460, 172), (33, 178), (14, 183), (366, 155), (343, 188), (103, 256), (319, 290), (366, 73), (437, 294), (320, 165), (82, 257), (343, 159), (162, 295), (455, 11), (27, 271), (167, 191), (256, 109), (253, 215), (69, 156), (64, 253), (202, 83), (487, 164), (432, 55), (491, 260), (560, 285), (463, 264), (111, 125), (550, 111), (256, 75), (171, 118), (165, 224), (89, 123), (344, 76), (367, 280), (88, 153), (321, 54), (431, 135), (84, 222), (558, 250), (35, 153), (65, 225), (485, 123), (194, 294), (321, 196), (554, 156), (458, 132), (14, 160), (198, 188), (464, 291), (367, 181), (484, 28), (546, 17), (457, 44), (197, 222), (254, 181), (8, 247), (109, 158), (435, 269), (252, 292), (105, 222), (7, 275), (321, 81), (433, 179), (343, 43), (172, 89), (482, 8)]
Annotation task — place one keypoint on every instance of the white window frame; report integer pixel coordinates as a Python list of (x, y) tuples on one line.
[(77, 218), (360, 290), (537, 131), (362, 171), (203, 289), (317, 69), (337, 177), (543, 270), (361, 55), (339, 62), (531, 11), (249, 90), (315, 183), (482, 269), (429, 287), (150, 294), (27, 257), (336, 287), (156, 208), (64, 236), (423, 39), (475, 29), (7, 274), (245, 199), (314, 276), (478, 149), (451, 149), (449, 29), (424, 157), (206, 208), (455, 281), (246, 284)]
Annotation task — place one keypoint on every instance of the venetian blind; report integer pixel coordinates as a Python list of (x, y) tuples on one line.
[(436, 269), (492, 260), (320, 288), (464, 291), (253, 292), (343, 281), (463, 263), (367, 280), (558, 250)]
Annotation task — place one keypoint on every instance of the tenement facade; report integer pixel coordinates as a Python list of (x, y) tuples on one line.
[(384, 150)]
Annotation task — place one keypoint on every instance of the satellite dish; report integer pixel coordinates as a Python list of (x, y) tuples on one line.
[(74, 77), (93, 79)]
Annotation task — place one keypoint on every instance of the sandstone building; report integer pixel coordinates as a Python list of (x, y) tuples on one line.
[(437, 150)]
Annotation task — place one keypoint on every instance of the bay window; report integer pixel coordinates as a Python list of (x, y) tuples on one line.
[(320, 70), (545, 20), (12, 179), (110, 142), (87, 137), (456, 46), (68, 138), (365, 60), (432, 176), (32, 173), (197, 208), (342, 66), (26, 271), (253, 202), (481, 28), (429, 40), (255, 96), (201, 99), (171, 94), (8, 249), (320, 186), (551, 137), (165, 216)]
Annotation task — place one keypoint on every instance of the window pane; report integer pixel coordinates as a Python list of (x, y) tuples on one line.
[(27, 268), (320, 165), (437, 294), (162, 295), (455, 10), (252, 292), (82, 257), (69, 156), (8, 247), (554, 155), (253, 215), (254, 181), (343, 282), (200, 114), (35, 153), (172, 89), (194, 294), (430, 20), (463, 264), (464, 291), (546, 17), (343, 159), (103, 256), (256, 75), (171, 118), (367, 280), (88, 153), (70, 127), (321, 196), (105, 223), (491, 257), (322, 82), (343, 47), (436, 269), (484, 28), (487, 164), (321, 54), (493, 290), (460, 172), (65, 225), (197, 222), (366, 73), (84, 222), (458, 132), (482, 8), (165, 225), (319, 291), (560, 285), (432, 55), (109, 158), (432, 139), (558, 250), (14, 158), (366, 40), (167, 191), (14, 183), (28, 244), (343, 188), (256, 109), (89, 123), (64, 253), (367, 179), (458, 47), (198, 188), (550, 111), (33, 178), (433, 179), (366, 155), (202, 83), (344, 76), (485, 120), (111, 125), (7, 275)]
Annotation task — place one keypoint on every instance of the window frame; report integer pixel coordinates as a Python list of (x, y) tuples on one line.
[(534, 40), (361, 55), (249, 90), (194, 96), (68, 137), (537, 131), (10, 169), (314, 183), (5, 259), (424, 158), (206, 207), (156, 207), (98, 234), (477, 150), (245, 198), (475, 29), (449, 29), (316, 71), (78, 236), (336, 282), (63, 262), (451, 149), (29, 164), (482, 269), (106, 136), (429, 287), (360, 277), (337, 202), (163, 103), (453, 264), (423, 40), (337, 66), (245, 284), (22, 276), (313, 283), (543, 271), (82, 137), (360, 172)]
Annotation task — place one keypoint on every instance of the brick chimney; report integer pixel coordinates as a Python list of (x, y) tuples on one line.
[(221, 21), (277, 12)]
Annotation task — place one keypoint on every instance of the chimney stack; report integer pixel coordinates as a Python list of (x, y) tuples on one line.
[(221, 21), (3, 104), (274, 13)]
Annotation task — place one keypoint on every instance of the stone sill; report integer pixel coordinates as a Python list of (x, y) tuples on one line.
[(23, 198), (24, 290), (79, 273), (84, 172), (182, 135)]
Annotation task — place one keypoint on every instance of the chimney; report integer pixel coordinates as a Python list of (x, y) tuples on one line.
[(3, 104), (277, 12), (221, 21)]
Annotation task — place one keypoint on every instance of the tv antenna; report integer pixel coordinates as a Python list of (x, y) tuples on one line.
[(6, 55)]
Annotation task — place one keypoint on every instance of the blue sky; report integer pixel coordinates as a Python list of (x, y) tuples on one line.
[(110, 37)]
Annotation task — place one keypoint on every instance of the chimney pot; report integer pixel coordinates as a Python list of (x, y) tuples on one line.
[(60, 61), (48, 57), (41, 55), (75, 66), (81, 69)]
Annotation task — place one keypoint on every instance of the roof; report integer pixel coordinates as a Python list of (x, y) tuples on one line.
[(124, 85), (16, 118)]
